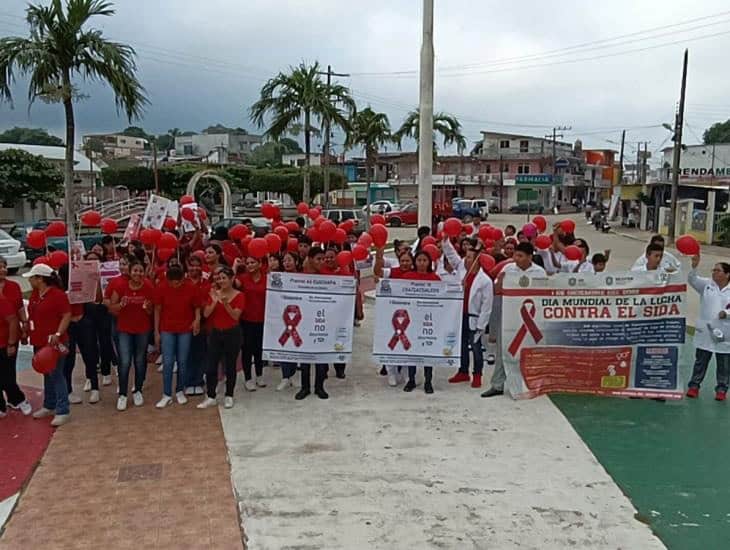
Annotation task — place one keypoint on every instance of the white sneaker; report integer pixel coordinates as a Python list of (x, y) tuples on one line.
[(174, 367), (207, 403), (164, 402), (94, 396), (138, 399), (199, 390), (106, 380), (122, 403), (181, 399), (190, 390), (228, 402), (159, 368), (284, 384), (491, 359), (392, 380), (74, 399), (87, 385), (260, 382), (60, 420), (23, 407), (250, 385), (42, 413)]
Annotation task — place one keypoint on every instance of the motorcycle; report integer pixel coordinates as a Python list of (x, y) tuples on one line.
[(600, 222)]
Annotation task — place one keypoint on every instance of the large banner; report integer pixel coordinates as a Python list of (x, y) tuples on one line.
[(418, 323), (156, 211), (83, 278), (611, 333), (309, 318)]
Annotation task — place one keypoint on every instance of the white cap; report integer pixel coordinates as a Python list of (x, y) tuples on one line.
[(40, 270)]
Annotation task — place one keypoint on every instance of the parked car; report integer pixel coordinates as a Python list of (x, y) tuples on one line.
[(407, 215), (466, 209), (340, 215), (381, 207), (261, 226), (12, 250), (526, 207)]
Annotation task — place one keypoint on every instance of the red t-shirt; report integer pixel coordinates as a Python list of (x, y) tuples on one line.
[(6, 310), (255, 297), (416, 276), (116, 283), (398, 273), (468, 281), (178, 305), (220, 319), (45, 314), (77, 310), (13, 294), (133, 318)]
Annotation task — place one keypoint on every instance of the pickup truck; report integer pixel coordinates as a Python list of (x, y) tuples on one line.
[(466, 209)]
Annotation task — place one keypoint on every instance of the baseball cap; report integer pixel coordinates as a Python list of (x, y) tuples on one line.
[(40, 270)]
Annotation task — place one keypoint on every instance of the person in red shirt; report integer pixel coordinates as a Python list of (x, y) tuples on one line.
[(331, 267), (116, 282), (177, 318), (199, 342), (49, 314), (10, 290), (132, 304), (223, 312), (253, 285), (8, 349)]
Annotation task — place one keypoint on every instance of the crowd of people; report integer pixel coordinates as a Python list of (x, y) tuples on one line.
[(196, 312)]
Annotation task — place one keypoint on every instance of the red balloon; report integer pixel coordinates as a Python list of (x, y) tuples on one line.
[(467, 228), (42, 260), (238, 232), (188, 214), (187, 199), (302, 208), (340, 236), (573, 253), (359, 252), (244, 244), (268, 210), (568, 226), (540, 222), (108, 226), (258, 248), (292, 227), (150, 236), (433, 251), (365, 240), (485, 232), (292, 244), (313, 213), (327, 230), (231, 250), (497, 269), (377, 218), (543, 242), (202, 214), (687, 245), (277, 213), (165, 254), (319, 220), (273, 242), (170, 224), (282, 231), (428, 239), (452, 227), (313, 234), (91, 218), (344, 258), (530, 230), (57, 258), (36, 239), (45, 360), (488, 244), (56, 229), (487, 262), (200, 254), (379, 234), (496, 234), (347, 225), (167, 240)]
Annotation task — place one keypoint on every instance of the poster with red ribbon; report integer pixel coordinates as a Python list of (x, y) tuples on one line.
[(418, 323), (309, 318), (616, 333)]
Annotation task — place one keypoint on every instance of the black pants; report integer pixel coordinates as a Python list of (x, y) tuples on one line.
[(340, 369), (253, 342), (101, 325), (320, 374), (8, 381), (427, 373), (81, 336), (225, 345)]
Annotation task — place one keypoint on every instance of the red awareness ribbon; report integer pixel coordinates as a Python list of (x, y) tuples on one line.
[(400, 321), (527, 312), (292, 317)]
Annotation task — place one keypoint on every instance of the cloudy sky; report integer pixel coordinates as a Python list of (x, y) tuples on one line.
[(506, 66)]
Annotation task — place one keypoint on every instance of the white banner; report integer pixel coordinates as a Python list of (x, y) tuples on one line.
[(418, 323), (83, 276), (154, 214), (309, 318)]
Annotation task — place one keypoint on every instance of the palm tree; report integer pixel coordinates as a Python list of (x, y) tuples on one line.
[(60, 46), (301, 101), (369, 130), (444, 124)]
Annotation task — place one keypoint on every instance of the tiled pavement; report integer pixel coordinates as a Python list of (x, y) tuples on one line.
[(140, 479)]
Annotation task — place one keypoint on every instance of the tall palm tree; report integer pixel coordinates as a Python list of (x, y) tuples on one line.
[(369, 130), (447, 126), (301, 101), (61, 46)]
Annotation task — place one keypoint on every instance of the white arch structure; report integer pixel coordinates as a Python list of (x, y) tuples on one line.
[(211, 174)]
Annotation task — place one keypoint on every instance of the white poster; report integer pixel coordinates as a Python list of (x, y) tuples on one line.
[(187, 225), (418, 323), (83, 277), (132, 230), (156, 211), (309, 318), (107, 271)]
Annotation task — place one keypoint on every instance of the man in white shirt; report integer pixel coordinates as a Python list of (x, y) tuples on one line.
[(652, 259), (669, 263)]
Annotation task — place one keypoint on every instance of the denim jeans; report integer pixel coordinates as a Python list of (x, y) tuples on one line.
[(101, 325), (175, 347), (468, 344), (132, 347), (196, 360), (702, 360), (55, 390), (115, 338)]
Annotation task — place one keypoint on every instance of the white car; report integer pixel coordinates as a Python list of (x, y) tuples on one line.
[(381, 207), (12, 252)]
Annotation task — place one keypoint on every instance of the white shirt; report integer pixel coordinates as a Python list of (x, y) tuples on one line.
[(481, 294), (713, 300), (586, 267), (534, 270), (669, 263)]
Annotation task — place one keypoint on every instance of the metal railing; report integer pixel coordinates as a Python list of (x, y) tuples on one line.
[(117, 210)]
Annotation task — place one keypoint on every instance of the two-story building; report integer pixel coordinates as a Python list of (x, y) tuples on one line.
[(116, 145), (229, 146)]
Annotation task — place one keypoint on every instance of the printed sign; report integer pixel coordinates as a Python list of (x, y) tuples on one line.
[(609, 333), (132, 230), (156, 211), (187, 225), (418, 323), (107, 271), (78, 249), (309, 318), (83, 277)]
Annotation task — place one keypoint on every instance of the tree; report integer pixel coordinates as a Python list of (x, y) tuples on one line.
[(717, 133), (270, 153), (60, 47), (30, 136), (301, 98), (291, 145), (30, 177), (135, 131), (444, 124), (369, 130)]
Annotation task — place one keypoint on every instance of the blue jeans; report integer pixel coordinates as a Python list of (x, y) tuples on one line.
[(175, 346), (468, 344), (55, 390), (196, 360), (132, 347)]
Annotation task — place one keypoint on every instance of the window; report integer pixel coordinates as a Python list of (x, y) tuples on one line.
[(123, 141), (504, 144), (489, 169), (523, 169), (524, 146), (505, 167)]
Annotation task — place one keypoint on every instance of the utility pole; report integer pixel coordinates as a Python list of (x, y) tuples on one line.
[(679, 123), (644, 161), (425, 125), (554, 137), (326, 146), (154, 166), (621, 158)]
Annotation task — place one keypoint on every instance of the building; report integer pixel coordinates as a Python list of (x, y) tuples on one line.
[(115, 145), (299, 160), (599, 171), (229, 146)]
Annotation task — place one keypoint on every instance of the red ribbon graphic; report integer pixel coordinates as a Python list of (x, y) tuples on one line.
[(292, 317), (400, 321), (527, 312)]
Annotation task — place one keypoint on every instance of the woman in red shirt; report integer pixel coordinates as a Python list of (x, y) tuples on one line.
[(253, 285), (8, 349), (198, 344), (132, 304), (49, 314), (223, 311), (10, 290)]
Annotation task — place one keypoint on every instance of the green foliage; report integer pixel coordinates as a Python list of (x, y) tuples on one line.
[(291, 145), (165, 142), (30, 136), (135, 131), (269, 154), (445, 125), (220, 129), (369, 130), (26, 176), (717, 133)]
